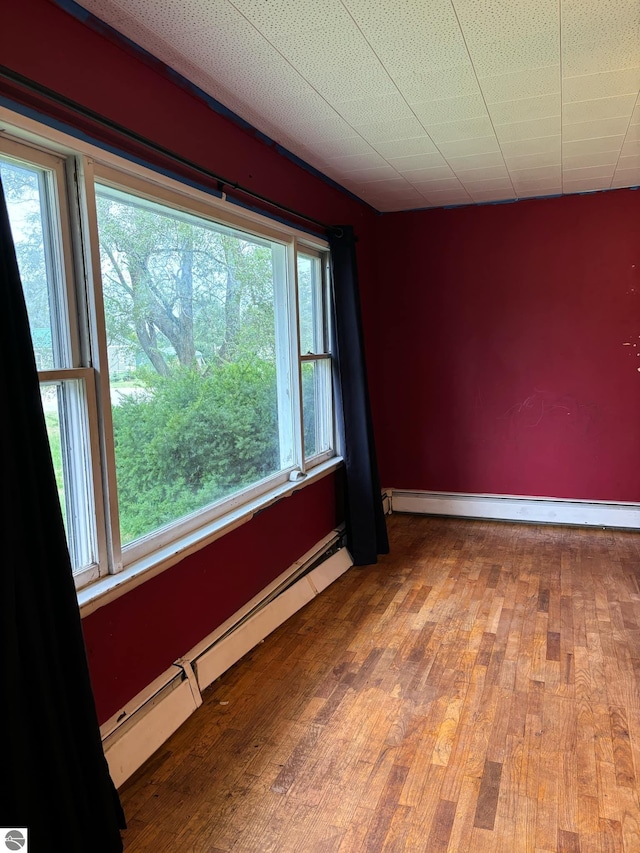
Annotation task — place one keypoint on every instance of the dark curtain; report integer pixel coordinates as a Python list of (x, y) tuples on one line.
[(56, 779), (364, 515)]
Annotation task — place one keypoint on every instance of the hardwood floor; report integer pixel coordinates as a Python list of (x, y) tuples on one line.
[(477, 690)]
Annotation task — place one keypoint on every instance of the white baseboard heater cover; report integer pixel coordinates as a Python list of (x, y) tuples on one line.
[(132, 735), (514, 508), (222, 655), (142, 733)]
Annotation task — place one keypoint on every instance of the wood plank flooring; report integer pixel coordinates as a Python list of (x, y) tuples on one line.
[(477, 690)]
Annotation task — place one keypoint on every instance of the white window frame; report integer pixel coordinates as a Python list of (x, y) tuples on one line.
[(325, 355), (78, 164), (67, 325)]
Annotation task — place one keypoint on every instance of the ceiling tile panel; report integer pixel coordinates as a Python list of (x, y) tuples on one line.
[(444, 199), (588, 172), (431, 163), (488, 160), (626, 177), (410, 195), (338, 146), (592, 146), (364, 110), (486, 183), (546, 187), (630, 146), (450, 109), (488, 196), (510, 35), (435, 172), (373, 191), (603, 158), (526, 109), (606, 84), (426, 32), (628, 161), (389, 131), (421, 47), (396, 208), (586, 185), (600, 54), (389, 184), (541, 145), (425, 84), (320, 125), (428, 187), (532, 161), (487, 173), (633, 133), (467, 147), (322, 42), (412, 147), (473, 128), (378, 173), (589, 129), (352, 162), (599, 35), (540, 173), (601, 108), (528, 129), (521, 84)]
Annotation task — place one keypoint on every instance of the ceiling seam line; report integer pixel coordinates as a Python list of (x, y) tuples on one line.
[(636, 104), (561, 100), (484, 100), (310, 84), (408, 105), (420, 122)]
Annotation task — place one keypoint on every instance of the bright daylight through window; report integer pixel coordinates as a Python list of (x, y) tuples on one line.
[(212, 330)]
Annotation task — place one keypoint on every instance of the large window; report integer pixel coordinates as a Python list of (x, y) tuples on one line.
[(183, 352)]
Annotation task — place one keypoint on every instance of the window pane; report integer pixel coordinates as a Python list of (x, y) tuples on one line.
[(64, 407), (26, 194), (190, 319), (310, 305), (316, 406), (50, 404)]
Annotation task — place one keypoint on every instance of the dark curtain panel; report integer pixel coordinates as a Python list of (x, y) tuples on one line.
[(56, 779), (365, 521)]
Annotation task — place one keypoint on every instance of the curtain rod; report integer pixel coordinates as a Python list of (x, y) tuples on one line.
[(85, 112)]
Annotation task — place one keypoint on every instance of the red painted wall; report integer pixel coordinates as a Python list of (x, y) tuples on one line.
[(512, 348), (135, 638)]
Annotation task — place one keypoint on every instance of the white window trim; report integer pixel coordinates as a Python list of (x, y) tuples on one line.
[(111, 587), (141, 560)]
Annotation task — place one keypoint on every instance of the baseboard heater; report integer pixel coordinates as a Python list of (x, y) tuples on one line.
[(132, 735), (538, 510)]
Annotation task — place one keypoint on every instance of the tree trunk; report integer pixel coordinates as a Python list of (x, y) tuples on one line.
[(231, 308), (184, 343)]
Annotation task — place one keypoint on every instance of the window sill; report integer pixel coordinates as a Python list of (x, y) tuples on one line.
[(108, 588)]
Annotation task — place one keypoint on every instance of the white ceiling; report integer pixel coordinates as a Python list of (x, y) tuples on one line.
[(418, 103)]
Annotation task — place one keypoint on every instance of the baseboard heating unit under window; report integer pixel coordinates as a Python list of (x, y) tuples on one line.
[(132, 735)]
